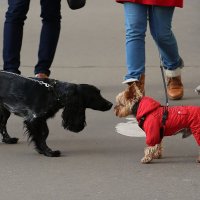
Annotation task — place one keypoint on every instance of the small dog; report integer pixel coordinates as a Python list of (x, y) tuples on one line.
[(37, 100), (158, 121)]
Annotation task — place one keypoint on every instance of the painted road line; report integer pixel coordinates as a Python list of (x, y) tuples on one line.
[(130, 128)]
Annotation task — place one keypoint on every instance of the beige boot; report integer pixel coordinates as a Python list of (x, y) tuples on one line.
[(174, 84)]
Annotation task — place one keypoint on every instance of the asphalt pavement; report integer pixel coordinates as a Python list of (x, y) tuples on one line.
[(99, 163)]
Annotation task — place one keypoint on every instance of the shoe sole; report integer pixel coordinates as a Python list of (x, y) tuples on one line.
[(175, 98)]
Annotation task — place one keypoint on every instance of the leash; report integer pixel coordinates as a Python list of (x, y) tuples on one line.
[(165, 108), (165, 86), (29, 78)]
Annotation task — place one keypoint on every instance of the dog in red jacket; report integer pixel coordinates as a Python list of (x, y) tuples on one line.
[(158, 121)]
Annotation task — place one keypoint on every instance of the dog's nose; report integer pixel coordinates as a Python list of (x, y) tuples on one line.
[(107, 105), (110, 105)]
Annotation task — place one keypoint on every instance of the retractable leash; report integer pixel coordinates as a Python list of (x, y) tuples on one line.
[(165, 86), (165, 108)]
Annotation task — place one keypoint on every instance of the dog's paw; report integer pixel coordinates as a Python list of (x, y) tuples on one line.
[(146, 159), (10, 140), (157, 155), (52, 153)]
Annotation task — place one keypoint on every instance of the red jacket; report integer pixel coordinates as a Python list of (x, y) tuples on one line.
[(179, 117), (174, 3)]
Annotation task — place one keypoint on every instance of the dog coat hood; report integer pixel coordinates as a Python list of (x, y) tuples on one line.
[(179, 117), (146, 106)]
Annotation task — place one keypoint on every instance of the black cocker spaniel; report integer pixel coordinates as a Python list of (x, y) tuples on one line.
[(37, 100)]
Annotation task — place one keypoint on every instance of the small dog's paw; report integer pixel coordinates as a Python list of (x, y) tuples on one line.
[(157, 155), (146, 159)]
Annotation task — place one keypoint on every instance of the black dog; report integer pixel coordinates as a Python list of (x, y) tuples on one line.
[(37, 100)]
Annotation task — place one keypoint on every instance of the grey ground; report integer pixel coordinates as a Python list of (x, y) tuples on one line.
[(98, 163)]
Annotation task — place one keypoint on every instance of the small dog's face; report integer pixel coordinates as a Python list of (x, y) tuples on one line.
[(124, 105), (126, 100), (93, 99)]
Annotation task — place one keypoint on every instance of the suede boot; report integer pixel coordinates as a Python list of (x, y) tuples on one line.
[(174, 84)]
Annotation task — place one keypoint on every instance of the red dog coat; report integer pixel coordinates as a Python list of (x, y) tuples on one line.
[(179, 117)]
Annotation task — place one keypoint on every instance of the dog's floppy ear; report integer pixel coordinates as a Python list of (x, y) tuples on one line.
[(74, 112), (130, 92), (127, 99), (124, 102), (133, 92)]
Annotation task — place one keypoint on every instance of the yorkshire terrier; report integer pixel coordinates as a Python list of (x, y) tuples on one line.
[(158, 121)]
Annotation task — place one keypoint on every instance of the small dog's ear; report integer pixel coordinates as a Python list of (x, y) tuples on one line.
[(130, 92), (133, 92), (126, 100)]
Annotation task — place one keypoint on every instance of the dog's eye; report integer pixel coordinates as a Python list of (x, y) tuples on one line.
[(98, 91)]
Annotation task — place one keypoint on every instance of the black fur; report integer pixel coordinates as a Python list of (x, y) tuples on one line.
[(37, 100)]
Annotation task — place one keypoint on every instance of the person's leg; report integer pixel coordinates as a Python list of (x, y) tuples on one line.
[(160, 20), (13, 33), (50, 14), (135, 24)]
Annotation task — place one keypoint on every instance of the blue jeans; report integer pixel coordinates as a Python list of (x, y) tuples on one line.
[(13, 34), (160, 19)]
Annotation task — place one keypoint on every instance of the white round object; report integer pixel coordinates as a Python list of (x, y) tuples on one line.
[(130, 128)]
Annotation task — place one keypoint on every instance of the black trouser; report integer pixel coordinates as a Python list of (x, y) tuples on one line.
[(13, 34)]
